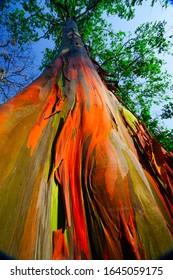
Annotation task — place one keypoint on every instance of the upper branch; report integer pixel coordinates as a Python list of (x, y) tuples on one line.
[(62, 9), (89, 8)]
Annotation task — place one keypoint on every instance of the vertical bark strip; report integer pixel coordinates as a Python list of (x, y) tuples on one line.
[(81, 177)]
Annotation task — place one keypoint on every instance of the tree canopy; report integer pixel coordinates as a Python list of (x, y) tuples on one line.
[(132, 64)]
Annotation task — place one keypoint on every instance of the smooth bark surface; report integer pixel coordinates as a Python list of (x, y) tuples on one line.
[(80, 175)]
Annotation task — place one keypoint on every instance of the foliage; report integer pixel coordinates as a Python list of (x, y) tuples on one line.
[(139, 2), (167, 111), (163, 135), (132, 61), (31, 16)]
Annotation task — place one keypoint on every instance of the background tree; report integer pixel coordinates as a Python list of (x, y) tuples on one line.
[(14, 75), (16, 62), (81, 176)]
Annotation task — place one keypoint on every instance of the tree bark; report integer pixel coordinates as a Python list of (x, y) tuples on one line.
[(81, 177)]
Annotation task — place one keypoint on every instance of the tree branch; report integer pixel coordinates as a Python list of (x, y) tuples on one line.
[(5, 44), (62, 8), (118, 53), (6, 96), (89, 8), (66, 7)]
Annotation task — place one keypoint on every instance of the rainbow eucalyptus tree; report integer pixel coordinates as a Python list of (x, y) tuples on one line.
[(81, 176)]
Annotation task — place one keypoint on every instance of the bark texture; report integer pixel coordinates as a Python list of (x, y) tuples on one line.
[(80, 176)]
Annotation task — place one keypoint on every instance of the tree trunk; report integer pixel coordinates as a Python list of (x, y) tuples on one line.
[(81, 177)]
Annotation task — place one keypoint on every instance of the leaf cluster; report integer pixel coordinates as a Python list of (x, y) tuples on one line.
[(167, 111)]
